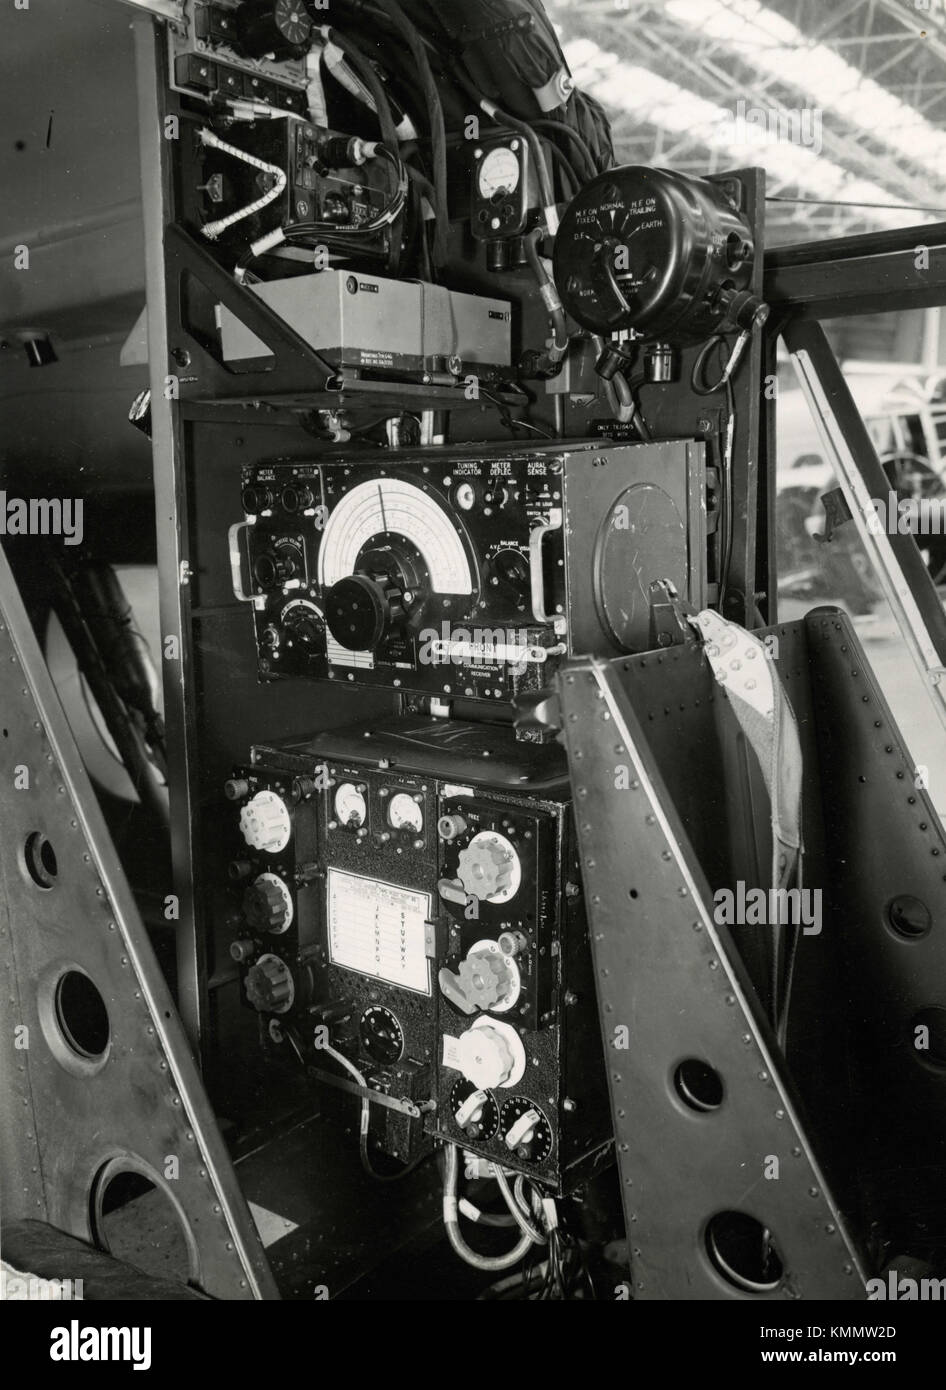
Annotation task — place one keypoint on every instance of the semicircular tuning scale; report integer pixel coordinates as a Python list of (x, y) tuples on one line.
[(390, 507)]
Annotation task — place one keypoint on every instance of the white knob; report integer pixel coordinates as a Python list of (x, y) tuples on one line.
[(472, 1108), (523, 1130), (266, 823), (484, 1058)]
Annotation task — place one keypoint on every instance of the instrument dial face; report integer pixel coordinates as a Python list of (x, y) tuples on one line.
[(392, 507), (292, 21), (479, 1121), (537, 1137), (404, 813), (350, 806), (498, 172), (381, 1034)]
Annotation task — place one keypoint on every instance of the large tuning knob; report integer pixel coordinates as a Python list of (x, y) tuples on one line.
[(485, 1057), (486, 979), (267, 904), (361, 608), (266, 823), (486, 867), (269, 986)]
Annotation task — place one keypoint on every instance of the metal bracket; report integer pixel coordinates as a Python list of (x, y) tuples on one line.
[(94, 1047)]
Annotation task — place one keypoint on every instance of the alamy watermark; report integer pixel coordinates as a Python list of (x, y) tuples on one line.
[(768, 907), (758, 125), (42, 516), (907, 516)]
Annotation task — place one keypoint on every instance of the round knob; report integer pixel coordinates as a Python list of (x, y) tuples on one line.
[(272, 569), (242, 951), (236, 788), (269, 986), (485, 869), (359, 610), (450, 827), (484, 1057), (486, 978), (265, 822), (267, 905)]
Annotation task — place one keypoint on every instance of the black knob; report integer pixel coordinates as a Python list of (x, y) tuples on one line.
[(269, 986), (274, 568), (264, 906), (360, 610), (256, 498), (296, 499)]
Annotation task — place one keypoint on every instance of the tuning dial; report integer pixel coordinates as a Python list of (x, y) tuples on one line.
[(487, 979), (485, 1057), (267, 904), (265, 822), (526, 1131), (489, 868), (276, 567), (269, 986), (475, 1112), (274, 28), (360, 609)]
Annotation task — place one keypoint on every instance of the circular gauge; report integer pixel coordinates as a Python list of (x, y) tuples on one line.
[(475, 1112), (381, 1034), (652, 250), (498, 173), (350, 806), (404, 813), (292, 21), (525, 1130), (465, 496)]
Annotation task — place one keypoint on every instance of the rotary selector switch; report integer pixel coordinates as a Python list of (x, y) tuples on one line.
[(267, 904), (266, 823), (269, 986), (489, 868), (475, 1112), (526, 1131)]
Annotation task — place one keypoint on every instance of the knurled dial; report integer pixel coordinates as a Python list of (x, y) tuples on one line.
[(265, 905), (265, 822), (361, 608), (485, 869), (486, 978), (484, 1057), (269, 986)]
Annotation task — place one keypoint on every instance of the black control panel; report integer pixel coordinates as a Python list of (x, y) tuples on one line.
[(449, 960), (466, 573)]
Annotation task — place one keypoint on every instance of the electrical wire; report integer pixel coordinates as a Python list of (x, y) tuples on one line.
[(211, 230), (560, 128), (365, 71), (511, 424), (451, 1221), (438, 133), (363, 1154)]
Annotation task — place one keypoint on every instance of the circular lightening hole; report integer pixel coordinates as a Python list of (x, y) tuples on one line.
[(908, 917), (40, 859), (81, 1015), (698, 1085), (743, 1252)]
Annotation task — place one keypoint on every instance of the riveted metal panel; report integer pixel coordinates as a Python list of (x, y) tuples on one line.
[(74, 1113), (672, 987)]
